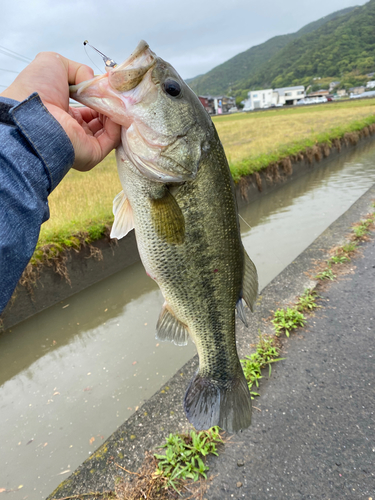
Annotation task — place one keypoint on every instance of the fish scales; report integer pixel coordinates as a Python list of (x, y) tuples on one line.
[(197, 279), (178, 194)]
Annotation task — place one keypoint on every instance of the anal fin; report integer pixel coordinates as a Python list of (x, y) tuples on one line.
[(250, 282), (123, 213), (241, 312), (170, 328)]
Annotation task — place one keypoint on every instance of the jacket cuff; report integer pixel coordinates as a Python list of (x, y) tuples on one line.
[(45, 135)]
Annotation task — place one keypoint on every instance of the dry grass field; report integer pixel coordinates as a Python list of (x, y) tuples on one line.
[(247, 136), (251, 141)]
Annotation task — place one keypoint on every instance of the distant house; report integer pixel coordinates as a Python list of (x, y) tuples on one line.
[(370, 85), (290, 95), (332, 85), (341, 93), (369, 93), (357, 90), (224, 103), (319, 93), (258, 99), (208, 104), (217, 105)]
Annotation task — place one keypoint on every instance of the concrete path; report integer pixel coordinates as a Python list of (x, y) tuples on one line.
[(314, 437)]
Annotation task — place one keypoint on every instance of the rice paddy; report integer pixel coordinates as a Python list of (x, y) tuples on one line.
[(82, 203)]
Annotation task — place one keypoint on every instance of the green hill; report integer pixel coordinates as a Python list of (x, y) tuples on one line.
[(340, 43), (220, 79), (345, 44)]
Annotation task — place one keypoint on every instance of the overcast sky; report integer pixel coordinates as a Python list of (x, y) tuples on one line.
[(194, 36)]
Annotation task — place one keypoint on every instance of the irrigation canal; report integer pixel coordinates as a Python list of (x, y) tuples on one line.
[(70, 375)]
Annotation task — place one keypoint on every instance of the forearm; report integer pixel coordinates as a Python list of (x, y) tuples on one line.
[(35, 154)]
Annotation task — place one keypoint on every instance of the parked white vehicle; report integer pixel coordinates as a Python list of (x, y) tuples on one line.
[(312, 100)]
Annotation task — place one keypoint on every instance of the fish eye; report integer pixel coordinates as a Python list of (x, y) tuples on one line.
[(172, 88)]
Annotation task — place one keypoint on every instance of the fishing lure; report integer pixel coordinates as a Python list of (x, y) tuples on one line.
[(109, 63)]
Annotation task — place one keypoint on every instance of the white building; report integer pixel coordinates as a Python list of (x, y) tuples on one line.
[(370, 85), (258, 99), (290, 95)]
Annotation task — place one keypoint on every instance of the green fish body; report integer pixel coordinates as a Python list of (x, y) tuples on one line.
[(178, 194)]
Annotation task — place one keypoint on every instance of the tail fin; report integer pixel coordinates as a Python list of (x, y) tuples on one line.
[(208, 403)]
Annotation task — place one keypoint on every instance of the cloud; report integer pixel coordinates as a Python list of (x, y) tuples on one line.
[(193, 35)]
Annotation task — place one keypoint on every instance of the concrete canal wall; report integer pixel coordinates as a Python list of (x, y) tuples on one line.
[(75, 270)]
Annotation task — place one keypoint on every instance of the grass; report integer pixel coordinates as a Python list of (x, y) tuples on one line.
[(252, 144), (164, 476), (266, 353), (82, 203), (291, 318), (185, 456), (287, 320), (344, 253)]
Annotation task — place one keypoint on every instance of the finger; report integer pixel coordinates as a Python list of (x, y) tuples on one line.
[(110, 138), (87, 114), (95, 125), (77, 72)]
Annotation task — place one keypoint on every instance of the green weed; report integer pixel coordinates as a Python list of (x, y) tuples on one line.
[(326, 274), (307, 301), (349, 247), (338, 259), (266, 353), (287, 320), (363, 228), (185, 456)]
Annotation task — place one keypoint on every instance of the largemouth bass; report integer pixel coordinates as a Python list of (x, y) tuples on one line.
[(178, 195)]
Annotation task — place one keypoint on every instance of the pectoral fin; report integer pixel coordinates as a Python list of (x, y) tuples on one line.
[(168, 219), (170, 328), (123, 216), (250, 282)]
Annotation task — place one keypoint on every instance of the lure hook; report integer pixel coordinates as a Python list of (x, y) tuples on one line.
[(109, 63)]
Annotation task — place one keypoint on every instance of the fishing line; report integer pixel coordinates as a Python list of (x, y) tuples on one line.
[(109, 63), (101, 71), (15, 55), (9, 70), (248, 225)]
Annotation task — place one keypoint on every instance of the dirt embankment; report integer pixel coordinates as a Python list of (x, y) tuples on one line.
[(258, 183)]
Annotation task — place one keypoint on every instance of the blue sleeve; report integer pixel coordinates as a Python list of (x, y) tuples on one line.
[(35, 154)]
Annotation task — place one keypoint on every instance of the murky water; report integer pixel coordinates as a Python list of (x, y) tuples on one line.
[(72, 374)]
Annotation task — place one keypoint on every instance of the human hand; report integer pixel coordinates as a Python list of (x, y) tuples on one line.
[(93, 135)]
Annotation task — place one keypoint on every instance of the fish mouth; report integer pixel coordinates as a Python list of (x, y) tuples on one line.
[(114, 91), (130, 94)]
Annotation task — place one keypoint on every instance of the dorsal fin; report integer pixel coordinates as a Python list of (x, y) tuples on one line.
[(170, 328), (250, 282), (123, 213)]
